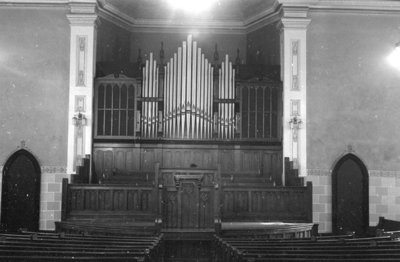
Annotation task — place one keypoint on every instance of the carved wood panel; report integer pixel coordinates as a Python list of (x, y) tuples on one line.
[(188, 197), (114, 198), (273, 204), (127, 159)]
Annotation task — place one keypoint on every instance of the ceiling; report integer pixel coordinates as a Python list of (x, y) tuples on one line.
[(233, 14)]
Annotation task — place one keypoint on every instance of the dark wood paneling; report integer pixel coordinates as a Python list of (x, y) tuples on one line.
[(238, 162), (186, 199), (189, 198), (260, 203), (104, 202)]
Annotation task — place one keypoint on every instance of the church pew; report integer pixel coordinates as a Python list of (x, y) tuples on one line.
[(22, 258), (77, 240), (388, 224), (51, 246), (268, 229), (86, 236), (382, 248)]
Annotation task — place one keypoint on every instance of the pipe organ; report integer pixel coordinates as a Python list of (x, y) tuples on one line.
[(187, 98), (188, 88)]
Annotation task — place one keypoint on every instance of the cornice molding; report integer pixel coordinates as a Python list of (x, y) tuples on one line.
[(85, 8), (82, 19), (365, 5), (34, 2), (288, 8), (293, 23)]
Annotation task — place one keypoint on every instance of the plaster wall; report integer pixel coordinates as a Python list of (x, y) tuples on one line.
[(352, 106), (34, 72), (34, 56)]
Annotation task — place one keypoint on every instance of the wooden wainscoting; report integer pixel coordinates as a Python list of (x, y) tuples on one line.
[(260, 203), (238, 162)]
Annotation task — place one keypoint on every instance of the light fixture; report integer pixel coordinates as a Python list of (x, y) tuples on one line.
[(295, 123), (193, 6), (79, 119), (394, 57)]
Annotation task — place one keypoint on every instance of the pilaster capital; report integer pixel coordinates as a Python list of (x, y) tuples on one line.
[(294, 18), (83, 13), (83, 19), (293, 23)]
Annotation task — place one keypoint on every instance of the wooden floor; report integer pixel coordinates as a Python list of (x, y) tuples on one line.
[(189, 251)]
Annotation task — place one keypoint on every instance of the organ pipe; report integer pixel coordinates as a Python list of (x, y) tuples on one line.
[(188, 97)]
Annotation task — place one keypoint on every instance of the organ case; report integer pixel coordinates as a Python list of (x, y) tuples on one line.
[(188, 112)]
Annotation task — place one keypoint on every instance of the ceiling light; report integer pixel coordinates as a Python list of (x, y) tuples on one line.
[(394, 57), (193, 6)]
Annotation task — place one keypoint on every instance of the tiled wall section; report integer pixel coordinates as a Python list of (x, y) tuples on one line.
[(384, 196), (50, 196), (322, 198)]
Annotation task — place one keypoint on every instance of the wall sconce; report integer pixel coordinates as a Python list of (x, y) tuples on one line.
[(79, 119), (295, 123), (394, 57)]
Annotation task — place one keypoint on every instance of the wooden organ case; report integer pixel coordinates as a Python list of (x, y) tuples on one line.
[(193, 116)]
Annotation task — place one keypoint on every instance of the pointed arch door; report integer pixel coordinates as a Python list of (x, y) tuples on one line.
[(350, 211), (20, 200)]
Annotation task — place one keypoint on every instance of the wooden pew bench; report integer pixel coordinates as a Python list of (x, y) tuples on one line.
[(55, 247), (335, 249)]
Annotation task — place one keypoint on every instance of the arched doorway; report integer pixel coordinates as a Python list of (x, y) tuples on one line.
[(20, 192), (350, 210)]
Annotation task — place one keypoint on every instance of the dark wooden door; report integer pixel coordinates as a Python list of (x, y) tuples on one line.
[(20, 193), (350, 196)]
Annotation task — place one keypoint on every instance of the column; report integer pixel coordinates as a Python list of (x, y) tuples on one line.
[(83, 24), (293, 26)]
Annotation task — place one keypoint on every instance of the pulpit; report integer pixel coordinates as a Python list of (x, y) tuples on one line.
[(189, 198)]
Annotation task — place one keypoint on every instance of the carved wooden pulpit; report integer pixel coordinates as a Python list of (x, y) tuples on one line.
[(189, 198)]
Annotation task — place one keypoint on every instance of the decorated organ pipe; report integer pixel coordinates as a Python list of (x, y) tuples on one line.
[(226, 98), (150, 114), (188, 97)]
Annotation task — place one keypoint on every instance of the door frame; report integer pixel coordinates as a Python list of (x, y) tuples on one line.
[(365, 191), (4, 190)]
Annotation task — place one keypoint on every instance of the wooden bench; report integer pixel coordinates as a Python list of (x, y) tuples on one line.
[(54, 247), (339, 248), (268, 229)]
